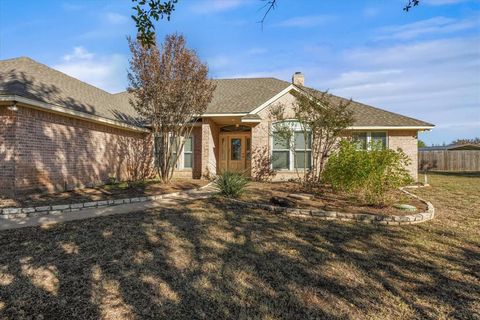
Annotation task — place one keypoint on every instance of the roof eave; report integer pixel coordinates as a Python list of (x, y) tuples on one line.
[(35, 104), (419, 127)]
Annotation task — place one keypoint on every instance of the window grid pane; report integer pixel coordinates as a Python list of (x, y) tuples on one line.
[(280, 159), (301, 157), (360, 140), (188, 145), (379, 139), (279, 142), (187, 160), (300, 140)]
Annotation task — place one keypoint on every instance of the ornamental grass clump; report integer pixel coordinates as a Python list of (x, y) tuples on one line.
[(370, 175), (231, 184)]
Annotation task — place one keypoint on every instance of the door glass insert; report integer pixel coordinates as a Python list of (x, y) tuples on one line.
[(236, 148), (248, 145)]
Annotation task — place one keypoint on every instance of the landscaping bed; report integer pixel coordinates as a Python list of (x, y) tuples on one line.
[(105, 192), (326, 199)]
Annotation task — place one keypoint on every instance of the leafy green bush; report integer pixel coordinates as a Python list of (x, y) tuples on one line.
[(231, 184), (369, 174)]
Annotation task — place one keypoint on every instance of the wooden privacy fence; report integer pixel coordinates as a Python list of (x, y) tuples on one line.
[(449, 160)]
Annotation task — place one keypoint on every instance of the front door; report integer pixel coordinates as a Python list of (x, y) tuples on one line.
[(235, 152)]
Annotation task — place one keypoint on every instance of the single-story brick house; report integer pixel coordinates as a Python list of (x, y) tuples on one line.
[(59, 133)]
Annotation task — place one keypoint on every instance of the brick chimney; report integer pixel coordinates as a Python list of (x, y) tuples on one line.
[(298, 79)]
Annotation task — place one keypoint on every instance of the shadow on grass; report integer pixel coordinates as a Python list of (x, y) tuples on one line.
[(464, 174), (210, 259)]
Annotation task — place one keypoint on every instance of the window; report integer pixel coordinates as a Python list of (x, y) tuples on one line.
[(368, 140), (280, 153), (284, 158), (188, 153), (236, 148), (303, 150), (379, 139), (174, 146)]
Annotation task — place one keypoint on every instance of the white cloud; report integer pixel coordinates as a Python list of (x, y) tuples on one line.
[(443, 2), (305, 21), (436, 25), (371, 12), (115, 18), (78, 53), (256, 51), (107, 72), (436, 81), (214, 6)]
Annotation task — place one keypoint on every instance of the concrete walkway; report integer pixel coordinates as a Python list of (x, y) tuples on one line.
[(165, 202)]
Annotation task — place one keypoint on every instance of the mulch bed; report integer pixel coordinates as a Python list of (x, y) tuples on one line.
[(326, 199), (105, 192)]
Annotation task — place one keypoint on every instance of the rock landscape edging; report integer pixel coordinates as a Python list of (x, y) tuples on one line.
[(342, 216), (23, 212)]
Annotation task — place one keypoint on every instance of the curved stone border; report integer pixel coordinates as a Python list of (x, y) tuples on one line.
[(18, 212), (359, 217)]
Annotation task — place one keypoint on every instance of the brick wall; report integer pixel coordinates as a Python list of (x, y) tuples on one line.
[(404, 139), (54, 152), (7, 143), (407, 141)]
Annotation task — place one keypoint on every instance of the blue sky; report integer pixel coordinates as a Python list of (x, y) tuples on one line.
[(424, 64)]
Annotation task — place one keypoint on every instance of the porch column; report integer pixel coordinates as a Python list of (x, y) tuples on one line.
[(209, 148), (260, 150)]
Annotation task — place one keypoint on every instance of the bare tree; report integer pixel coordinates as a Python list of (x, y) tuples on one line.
[(170, 92), (323, 120)]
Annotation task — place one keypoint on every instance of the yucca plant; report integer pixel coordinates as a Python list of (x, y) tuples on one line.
[(231, 184)]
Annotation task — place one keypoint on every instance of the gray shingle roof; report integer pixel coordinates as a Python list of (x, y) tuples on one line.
[(365, 115), (30, 79), (243, 95)]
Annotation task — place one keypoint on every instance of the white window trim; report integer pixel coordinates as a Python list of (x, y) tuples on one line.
[(291, 152), (181, 158), (369, 137), (303, 150)]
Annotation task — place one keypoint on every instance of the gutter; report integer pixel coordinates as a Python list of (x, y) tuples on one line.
[(39, 105), (390, 128)]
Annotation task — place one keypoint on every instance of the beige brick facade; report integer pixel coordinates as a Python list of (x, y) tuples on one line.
[(408, 142)]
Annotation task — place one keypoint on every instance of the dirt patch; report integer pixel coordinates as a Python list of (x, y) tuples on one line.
[(326, 199), (105, 192)]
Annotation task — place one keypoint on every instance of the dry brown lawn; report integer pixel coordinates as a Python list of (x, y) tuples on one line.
[(209, 259)]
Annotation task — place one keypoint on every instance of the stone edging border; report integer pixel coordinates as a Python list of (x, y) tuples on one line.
[(23, 212), (359, 217)]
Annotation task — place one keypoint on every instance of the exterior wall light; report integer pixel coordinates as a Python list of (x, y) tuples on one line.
[(13, 107)]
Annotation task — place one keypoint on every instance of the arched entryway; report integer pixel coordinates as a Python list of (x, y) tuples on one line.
[(235, 142)]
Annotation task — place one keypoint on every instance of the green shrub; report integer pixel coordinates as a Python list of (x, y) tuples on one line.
[(231, 184), (368, 174)]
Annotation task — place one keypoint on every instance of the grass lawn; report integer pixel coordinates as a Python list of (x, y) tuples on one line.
[(213, 260)]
